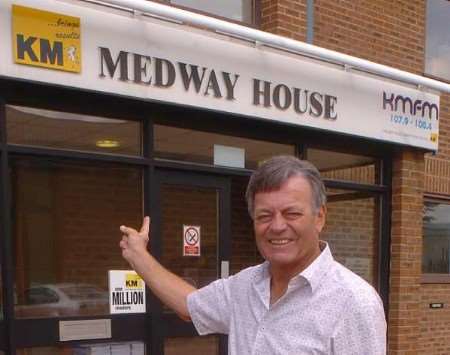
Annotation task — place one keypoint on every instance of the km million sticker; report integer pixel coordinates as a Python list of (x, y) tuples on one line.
[(46, 39), (191, 240), (126, 292)]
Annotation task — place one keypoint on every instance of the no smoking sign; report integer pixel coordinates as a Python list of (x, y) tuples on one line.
[(191, 240)]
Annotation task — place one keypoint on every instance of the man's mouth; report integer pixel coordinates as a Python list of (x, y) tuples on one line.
[(279, 241)]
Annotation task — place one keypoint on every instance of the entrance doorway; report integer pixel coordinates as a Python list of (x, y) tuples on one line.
[(191, 237)]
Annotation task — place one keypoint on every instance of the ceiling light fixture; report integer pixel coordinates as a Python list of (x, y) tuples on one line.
[(107, 143)]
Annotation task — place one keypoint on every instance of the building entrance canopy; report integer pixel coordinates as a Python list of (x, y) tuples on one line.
[(88, 46)]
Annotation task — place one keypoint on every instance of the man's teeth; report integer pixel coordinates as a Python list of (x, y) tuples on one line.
[(279, 241)]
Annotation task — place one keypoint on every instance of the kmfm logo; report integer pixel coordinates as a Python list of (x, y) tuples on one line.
[(405, 105), (46, 39)]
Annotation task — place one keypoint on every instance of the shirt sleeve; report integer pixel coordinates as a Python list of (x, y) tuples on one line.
[(362, 329), (210, 307)]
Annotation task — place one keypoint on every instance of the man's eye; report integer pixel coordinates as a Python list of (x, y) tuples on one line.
[(263, 218), (293, 215)]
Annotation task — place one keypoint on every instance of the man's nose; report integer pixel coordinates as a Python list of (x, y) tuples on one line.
[(278, 224)]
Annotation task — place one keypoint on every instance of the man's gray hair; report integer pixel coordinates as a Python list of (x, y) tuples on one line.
[(275, 171)]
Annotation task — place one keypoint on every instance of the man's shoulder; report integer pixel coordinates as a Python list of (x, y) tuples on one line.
[(250, 273), (353, 287)]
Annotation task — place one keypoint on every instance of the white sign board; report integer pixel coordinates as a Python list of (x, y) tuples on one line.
[(229, 156), (126, 292), (141, 57), (191, 240)]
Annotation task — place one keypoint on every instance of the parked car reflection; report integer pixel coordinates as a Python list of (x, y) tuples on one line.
[(60, 300)]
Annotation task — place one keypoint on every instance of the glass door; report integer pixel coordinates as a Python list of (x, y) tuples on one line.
[(191, 237)]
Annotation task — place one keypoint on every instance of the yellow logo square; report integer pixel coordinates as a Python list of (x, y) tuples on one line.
[(133, 281), (434, 137), (46, 39)]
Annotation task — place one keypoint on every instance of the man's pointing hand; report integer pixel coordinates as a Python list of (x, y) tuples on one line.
[(134, 243)]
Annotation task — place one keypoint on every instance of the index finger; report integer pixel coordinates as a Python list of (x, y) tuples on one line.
[(145, 226), (127, 230)]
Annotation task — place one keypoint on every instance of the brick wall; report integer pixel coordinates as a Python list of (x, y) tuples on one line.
[(406, 253), (365, 174), (434, 323), (437, 167), (284, 17), (386, 32)]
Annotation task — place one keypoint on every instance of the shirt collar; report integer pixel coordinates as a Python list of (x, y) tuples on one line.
[(315, 272), (312, 275)]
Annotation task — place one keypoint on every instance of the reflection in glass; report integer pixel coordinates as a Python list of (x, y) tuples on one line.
[(436, 237), (437, 51), (63, 130), (124, 348), (190, 206), (352, 230), (343, 166), (207, 345), (170, 143), (65, 224), (244, 252), (239, 10)]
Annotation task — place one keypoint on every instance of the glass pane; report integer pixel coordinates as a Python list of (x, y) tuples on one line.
[(205, 345), (352, 230), (438, 39), (239, 10), (243, 247), (436, 238), (65, 223), (124, 348), (199, 208), (170, 143), (53, 129), (342, 166)]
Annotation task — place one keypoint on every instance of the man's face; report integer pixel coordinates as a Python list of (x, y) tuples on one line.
[(286, 226)]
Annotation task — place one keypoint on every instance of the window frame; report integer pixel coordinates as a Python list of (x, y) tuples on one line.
[(434, 278), (425, 73), (256, 13)]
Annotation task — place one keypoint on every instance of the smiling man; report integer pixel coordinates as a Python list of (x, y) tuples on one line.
[(300, 300)]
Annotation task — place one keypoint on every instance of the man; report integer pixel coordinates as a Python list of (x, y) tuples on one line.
[(300, 300)]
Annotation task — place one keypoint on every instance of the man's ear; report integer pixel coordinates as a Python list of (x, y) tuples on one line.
[(321, 218)]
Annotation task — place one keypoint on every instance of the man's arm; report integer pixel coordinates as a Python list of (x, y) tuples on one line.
[(362, 328), (168, 287)]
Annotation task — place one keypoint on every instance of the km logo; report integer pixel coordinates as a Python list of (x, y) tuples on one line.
[(46, 39), (40, 50)]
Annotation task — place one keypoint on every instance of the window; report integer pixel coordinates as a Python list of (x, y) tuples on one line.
[(73, 208), (237, 10), (344, 166), (437, 49), (436, 237), (206, 147), (63, 130)]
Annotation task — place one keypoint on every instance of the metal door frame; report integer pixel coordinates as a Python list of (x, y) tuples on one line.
[(163, 325)]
